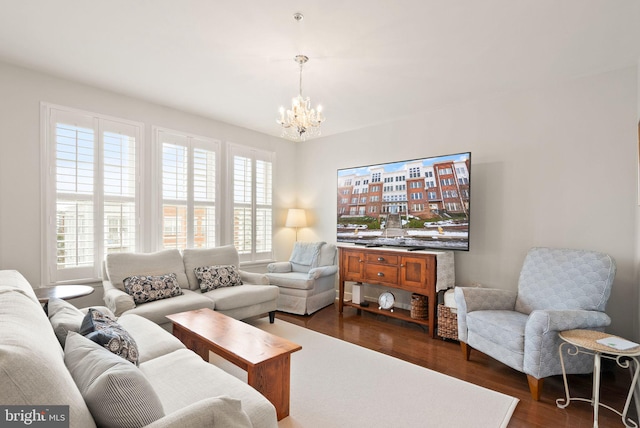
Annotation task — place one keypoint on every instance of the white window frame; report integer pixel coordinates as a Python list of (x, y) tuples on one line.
[(193, 141), (50, 274), (254, 154)]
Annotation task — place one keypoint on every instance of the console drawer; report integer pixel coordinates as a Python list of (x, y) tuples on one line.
[(381, 273), (382, 259)]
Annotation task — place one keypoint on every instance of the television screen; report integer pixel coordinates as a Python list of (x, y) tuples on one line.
[(419, 203)]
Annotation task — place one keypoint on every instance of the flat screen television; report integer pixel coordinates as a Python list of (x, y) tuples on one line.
[(418, 204)]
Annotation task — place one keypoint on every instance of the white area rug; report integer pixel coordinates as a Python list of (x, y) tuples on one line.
[(337, 384)]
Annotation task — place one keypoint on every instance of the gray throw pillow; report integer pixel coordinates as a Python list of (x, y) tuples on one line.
[(105, 331), (64, 317), (212, 277), (148, 288), (116, 392)]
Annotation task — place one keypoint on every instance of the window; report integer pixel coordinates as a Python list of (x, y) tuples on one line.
[(251, 181), (188, 178), (91, 191)]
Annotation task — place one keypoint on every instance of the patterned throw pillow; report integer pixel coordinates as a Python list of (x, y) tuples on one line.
[(103, 330), (212, 277), (149, 288)]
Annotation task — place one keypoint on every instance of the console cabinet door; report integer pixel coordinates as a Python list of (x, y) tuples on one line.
[(353, 266), (417, 272)]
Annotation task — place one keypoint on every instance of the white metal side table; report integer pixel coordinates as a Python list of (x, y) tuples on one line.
[(585, 341)]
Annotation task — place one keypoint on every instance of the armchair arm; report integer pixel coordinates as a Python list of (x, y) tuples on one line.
[(116, 300), (544, 321), (469, 299), (218, 412), (321, 271), (279, 267), (254, 278), (541, 340)]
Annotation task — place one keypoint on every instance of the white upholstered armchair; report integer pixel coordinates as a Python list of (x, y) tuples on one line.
[(558, 289), (307, 280)]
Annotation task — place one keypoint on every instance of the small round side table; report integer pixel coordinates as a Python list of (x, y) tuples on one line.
[(64, 292), (585, 341)]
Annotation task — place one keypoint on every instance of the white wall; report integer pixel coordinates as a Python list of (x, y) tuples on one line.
[(21, 92), (555, 166)]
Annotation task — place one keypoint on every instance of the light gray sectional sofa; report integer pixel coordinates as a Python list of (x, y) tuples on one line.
[(254, 297), (187, 392)]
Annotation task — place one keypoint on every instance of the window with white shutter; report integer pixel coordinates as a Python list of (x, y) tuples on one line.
[(188, 170), (91, 191), (251, 175)]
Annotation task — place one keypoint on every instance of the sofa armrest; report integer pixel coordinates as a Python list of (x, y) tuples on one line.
[(218, 412), (279, 267), (321, 271), (254, 278), (116, 300)]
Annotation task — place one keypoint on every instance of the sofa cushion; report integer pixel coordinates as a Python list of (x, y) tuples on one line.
[(227, 298), (152, 340), (12, 280), (158, 310), (222, 412), (196, 257), (32, 369), (147, 288), (123, 265), (104, 331), (64, 317), (212, 277), (182, 378), (117, 393)]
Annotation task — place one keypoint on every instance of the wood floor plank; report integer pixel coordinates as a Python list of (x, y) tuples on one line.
[(411, 342)]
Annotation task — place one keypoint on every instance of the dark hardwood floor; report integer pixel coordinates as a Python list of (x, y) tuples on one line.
[(412, 343)]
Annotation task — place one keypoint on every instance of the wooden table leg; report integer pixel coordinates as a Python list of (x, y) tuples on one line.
[(272, 379)]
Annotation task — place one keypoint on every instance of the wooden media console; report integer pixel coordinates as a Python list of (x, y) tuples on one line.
[(415, 272)]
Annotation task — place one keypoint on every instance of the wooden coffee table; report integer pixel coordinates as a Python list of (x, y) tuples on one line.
[(266, 358)]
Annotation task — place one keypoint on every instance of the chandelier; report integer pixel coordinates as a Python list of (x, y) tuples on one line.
[(301, 121)]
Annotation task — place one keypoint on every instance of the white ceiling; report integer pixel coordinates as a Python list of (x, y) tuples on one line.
[(370, 61)]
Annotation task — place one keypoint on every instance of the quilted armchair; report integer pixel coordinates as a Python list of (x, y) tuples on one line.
[(307, 280), (558, 289)]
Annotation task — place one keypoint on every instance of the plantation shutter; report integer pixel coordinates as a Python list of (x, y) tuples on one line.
[(252, 177), (189, 168), (92, 192)]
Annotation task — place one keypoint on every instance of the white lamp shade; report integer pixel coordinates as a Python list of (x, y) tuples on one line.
[(296, 217)]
